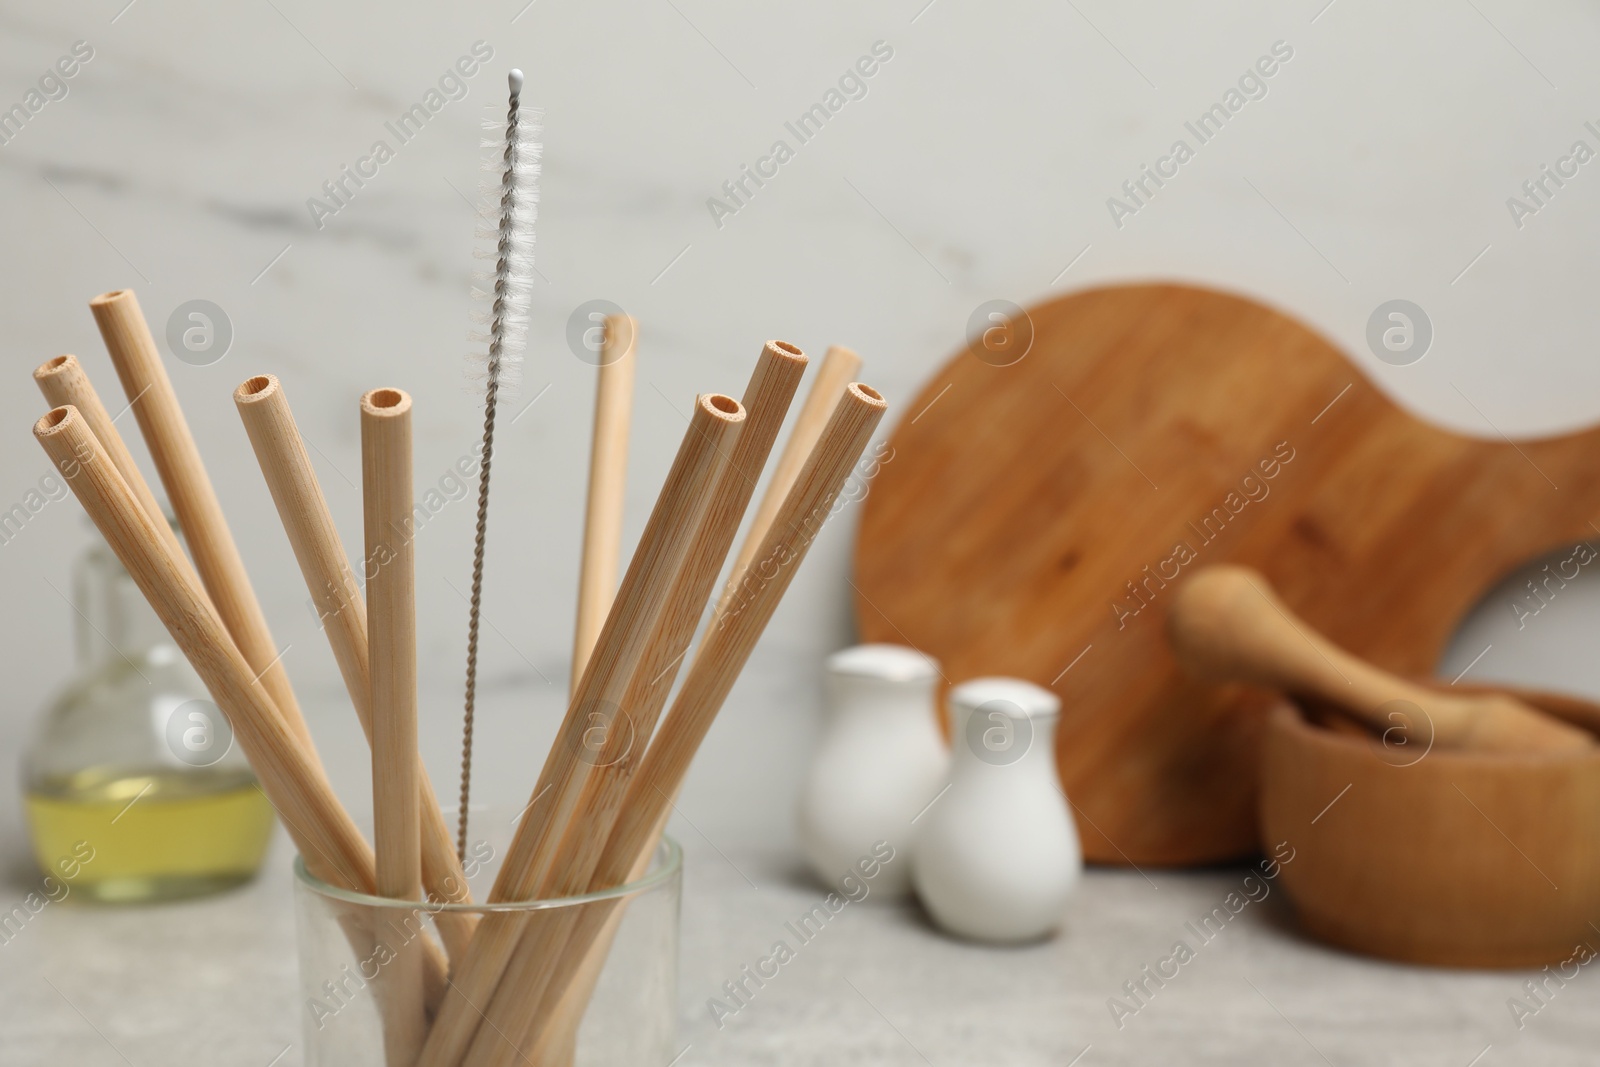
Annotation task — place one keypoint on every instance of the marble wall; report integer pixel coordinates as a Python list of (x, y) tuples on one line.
[(977, 161)]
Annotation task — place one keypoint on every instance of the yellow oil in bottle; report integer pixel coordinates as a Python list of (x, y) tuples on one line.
[(159, 835)]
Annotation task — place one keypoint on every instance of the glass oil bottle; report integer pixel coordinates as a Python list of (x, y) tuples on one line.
[(132, 778)]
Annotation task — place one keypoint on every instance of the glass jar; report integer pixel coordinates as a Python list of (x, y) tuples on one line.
[(132, 782), (346, 940)]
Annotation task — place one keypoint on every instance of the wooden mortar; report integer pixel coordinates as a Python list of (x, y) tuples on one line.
[(1456, 858)]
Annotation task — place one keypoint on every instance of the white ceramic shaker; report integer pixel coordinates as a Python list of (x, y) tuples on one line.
[(881, 761), (996, 857)]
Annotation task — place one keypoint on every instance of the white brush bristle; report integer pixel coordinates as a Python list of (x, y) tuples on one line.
[(514, 278)]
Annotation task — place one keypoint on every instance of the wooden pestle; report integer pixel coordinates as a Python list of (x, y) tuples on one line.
[(1227, 624)]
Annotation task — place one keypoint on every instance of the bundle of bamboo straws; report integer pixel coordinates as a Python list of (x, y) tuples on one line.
[(509, 988)]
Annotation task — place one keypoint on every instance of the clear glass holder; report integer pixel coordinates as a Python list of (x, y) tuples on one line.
[(346, 939)]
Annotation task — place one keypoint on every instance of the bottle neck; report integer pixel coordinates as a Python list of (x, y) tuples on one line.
[(113, 622)]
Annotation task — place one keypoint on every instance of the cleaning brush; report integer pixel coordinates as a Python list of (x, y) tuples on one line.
[(513, 193)]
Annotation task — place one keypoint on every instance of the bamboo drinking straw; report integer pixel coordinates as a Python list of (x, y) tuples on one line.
[(286, 466), (839, 366), (608, 473), (565, 1001), (386, 495), (216, 557), (329, 843), (332, 846), (731, 639), (766, 401), (634, 617), (63, 381), (723, 654), (557, 1042), (602, 528)]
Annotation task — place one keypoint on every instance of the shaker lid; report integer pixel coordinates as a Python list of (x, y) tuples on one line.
[(1034, 702), (893, 663)]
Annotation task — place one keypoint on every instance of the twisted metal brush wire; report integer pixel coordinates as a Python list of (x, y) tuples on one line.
[(508, 192)]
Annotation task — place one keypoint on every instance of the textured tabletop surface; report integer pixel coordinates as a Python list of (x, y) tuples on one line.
[(214, 983)]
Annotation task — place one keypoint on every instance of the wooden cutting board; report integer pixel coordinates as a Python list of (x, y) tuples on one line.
[(1032, 520)]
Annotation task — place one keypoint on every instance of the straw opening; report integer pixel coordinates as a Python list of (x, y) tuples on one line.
[(386, 402), (261, 383), (53, 419)]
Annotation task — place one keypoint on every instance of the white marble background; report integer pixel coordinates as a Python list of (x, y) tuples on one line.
[(978, 166)]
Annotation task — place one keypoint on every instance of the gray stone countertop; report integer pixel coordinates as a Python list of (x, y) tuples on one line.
[(213, 982)]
